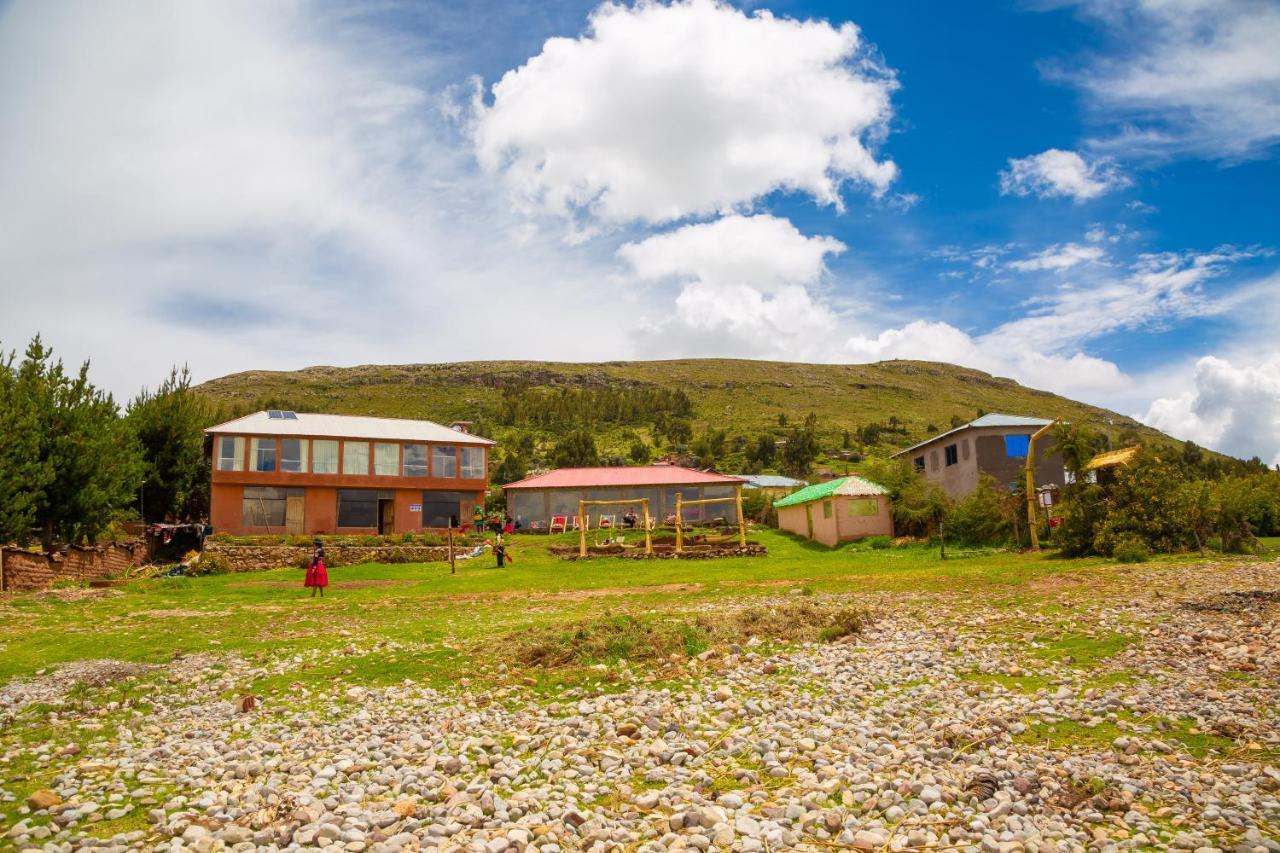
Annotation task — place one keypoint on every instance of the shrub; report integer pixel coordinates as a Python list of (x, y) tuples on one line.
[(878, 543), (210, 564), (1131, 550), (983, 517)]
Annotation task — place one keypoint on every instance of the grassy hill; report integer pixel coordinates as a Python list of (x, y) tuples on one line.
[(745, 398)]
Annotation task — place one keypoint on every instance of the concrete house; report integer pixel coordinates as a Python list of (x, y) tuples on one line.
[(836, 511), (993, 444), (299, 473)]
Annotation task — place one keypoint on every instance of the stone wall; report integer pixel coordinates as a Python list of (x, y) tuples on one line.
[(694, 553), (34, 570), (253, 558)]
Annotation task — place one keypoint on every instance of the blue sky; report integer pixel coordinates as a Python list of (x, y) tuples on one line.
[(1080, 195)]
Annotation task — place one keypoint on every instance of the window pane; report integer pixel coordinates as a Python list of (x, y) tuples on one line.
[(357, 507), (230, 453), (355, 457), (263, 506), (864, 508), (386, 459), (293, 455), (444, 461), (415, 460), (263, 451), (324, 457), (441, 508), (473, 463)]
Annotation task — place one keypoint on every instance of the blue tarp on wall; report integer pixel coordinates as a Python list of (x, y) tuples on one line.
[(1017, 445)]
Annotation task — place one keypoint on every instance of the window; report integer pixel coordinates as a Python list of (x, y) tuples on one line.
[(415, 460), (263, 451), (293, 455), (952, 454), (864, 508), (919, 463), (444, 461), (324, 457), (230, 453), (264, 506), (826, 509), (358, 507), (472, 463), (355, 457), (440, 508), (1017, 446), (386, 459)]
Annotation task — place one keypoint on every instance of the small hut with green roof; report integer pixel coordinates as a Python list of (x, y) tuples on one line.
[(836, 511)]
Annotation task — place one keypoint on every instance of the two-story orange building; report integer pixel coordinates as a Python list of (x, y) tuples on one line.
[(298, 473)]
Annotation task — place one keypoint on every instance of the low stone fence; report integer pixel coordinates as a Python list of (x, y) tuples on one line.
[(693, 553), (253, 558), (24, 571)]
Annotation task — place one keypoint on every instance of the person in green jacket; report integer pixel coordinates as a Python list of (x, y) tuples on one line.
[(478, 518)]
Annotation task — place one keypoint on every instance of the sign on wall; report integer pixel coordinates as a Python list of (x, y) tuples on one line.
[(415, 507)]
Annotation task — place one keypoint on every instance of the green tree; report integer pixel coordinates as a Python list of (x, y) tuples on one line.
[(93, 462), (168, 426), (800, 452), (576, 450), (1077, 444), (510, 469), (639, 452), (762, 453), (983, 517), (24, 474)]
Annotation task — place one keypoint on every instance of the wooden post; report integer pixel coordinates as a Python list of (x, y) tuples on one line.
[(453, 566), (2, 578), (1031, 484), (648, 534), (808, 517), (582, 528), (679, 524), (742, 522)]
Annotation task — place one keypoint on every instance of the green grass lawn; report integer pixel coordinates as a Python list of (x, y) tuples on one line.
[(443, 616)]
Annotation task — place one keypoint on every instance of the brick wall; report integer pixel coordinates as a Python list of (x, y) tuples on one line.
[(33, 570)]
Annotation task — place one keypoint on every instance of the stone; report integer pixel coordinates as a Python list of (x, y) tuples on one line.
[(43, 799)]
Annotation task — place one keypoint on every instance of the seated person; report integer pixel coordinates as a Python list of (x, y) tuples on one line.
[(630, 518)]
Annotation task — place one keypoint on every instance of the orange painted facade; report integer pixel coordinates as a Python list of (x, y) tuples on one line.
[(407, 495)]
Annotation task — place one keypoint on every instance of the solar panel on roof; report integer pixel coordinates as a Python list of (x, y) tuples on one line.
[(275, 414), (290, 416)]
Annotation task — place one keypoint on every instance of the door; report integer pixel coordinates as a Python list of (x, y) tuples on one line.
[(294, 514), (386, 516)]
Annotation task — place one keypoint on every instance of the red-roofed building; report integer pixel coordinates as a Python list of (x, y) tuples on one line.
[(543, 496)]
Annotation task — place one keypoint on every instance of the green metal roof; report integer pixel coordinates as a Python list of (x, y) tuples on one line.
[(848, 486)]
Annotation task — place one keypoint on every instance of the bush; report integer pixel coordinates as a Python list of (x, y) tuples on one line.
[(210, 564), (878, 543), (982, 518), (1131, 550)]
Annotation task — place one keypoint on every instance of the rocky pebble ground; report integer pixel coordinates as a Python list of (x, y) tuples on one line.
[(1144, 719)]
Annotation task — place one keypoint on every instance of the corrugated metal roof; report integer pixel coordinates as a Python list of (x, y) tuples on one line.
[(1111, 458), (346, 426), (991, 420), (844, 486), (640, 475), (771, 481)]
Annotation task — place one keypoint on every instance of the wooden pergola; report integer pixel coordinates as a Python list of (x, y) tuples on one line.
[(681, 503)]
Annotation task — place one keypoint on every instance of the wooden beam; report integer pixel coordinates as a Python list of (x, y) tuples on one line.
[(679, 524), (742, 522), (582, 528), (648, 534), (1031, 483)]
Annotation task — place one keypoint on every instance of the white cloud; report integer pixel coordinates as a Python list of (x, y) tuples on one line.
[(1060, 174), (1232, 407), (661, 112), (1061, 257), (1186, 76), (242, 185), (744, 288)]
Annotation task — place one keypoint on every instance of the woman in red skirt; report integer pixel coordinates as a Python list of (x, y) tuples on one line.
[(317, 574)]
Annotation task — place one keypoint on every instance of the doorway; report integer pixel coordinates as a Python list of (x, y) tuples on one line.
[(386, 516), (294, 515)]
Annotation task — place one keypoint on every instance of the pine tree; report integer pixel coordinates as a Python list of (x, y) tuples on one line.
[(168, 426)]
